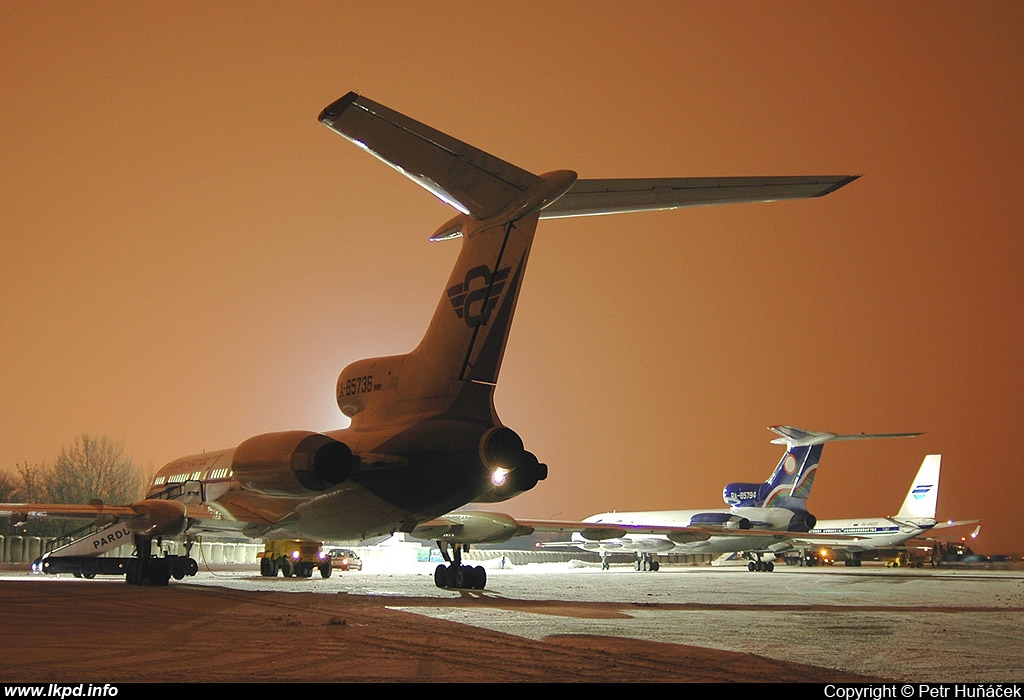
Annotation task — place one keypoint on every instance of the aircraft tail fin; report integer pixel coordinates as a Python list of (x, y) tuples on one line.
[(805, 447), (460, 354), (789, 485), (923, 496), (456, 363)]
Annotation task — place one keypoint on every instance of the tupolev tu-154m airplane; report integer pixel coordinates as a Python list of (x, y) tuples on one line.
[(424, 437)]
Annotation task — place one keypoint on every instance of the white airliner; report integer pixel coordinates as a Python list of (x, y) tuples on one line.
[(760, 518), (850, 538), (425, 438)]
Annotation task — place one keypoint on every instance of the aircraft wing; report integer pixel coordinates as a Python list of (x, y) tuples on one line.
[(477, 527), (151, 517), (676, 533), (595, 197)]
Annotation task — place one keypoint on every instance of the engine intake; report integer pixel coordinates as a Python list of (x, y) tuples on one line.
[(292, 463)]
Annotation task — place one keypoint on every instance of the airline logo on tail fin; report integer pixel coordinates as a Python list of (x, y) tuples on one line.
[(474, 307), (921, 490), (790, 485)]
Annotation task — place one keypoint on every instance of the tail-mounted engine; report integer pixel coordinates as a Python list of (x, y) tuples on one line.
[(292, 463), (511, 467), (802, 521)]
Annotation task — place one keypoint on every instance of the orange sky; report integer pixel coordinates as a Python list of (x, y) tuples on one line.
[(190, 258)]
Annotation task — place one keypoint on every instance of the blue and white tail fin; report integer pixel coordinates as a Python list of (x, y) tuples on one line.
[(923, 496), (789, 486)]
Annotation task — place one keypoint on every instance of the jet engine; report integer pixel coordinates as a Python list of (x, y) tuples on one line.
[(292, 463), (802, 521), (156, 517), (512, 468)]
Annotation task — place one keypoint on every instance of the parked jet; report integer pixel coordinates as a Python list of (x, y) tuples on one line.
[(424, 438), (850, 538), (760, 517)]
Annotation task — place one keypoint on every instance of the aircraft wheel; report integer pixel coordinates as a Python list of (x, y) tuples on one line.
[(752, 566), (440, 576), (769, 566), (655, 565), (325, 569), (480, 577), (286, 568)]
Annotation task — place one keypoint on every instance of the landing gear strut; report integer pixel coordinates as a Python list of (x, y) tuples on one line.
[(456, 574)]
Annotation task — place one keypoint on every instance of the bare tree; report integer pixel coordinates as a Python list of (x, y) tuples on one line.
[(10, 492), (90, 469), (94, 468)]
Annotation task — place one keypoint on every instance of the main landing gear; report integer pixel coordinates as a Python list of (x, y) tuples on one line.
[(146, 570), (760, 565), (646, 562), (456, 574)]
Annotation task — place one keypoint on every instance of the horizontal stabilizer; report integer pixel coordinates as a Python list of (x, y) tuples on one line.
[(596, 197), (797, 437), (472, 181), (959, 523)]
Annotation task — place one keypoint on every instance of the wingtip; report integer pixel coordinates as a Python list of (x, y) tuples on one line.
[(334, 110), (841, 182)]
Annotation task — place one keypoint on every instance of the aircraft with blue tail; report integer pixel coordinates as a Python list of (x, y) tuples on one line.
[(761, 517)]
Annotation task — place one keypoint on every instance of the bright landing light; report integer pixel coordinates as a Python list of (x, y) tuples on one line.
[(498, 476)]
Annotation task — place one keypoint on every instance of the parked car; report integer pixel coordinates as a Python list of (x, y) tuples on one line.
[(345, 560)]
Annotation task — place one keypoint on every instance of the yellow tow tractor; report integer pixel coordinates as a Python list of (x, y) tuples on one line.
[(294, 558), (903, 558)]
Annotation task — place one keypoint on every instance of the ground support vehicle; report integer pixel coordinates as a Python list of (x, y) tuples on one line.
[(294, 558)]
